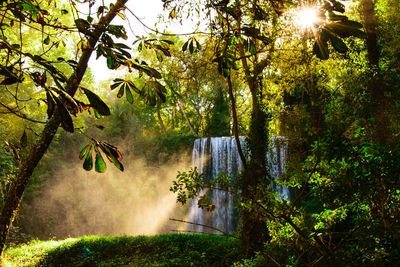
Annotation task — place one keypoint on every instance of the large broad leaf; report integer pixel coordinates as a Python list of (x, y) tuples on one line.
[(113, 155), (149, 71), (121, 91), (118, 31), (346, 28), (66, 119), (71, 103), (99, 165), (97, 103), (129, 96), (111, 63), (50, 105), (185, 45), (338, 44), (191, 47)]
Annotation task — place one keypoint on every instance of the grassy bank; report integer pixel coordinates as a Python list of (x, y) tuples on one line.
[(160, 250)]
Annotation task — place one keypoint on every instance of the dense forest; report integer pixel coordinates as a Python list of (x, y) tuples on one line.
[(81, 154)]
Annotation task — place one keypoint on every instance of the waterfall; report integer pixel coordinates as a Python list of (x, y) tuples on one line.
[(216, 155)]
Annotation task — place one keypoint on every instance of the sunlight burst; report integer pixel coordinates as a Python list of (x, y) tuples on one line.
[(307, 17)]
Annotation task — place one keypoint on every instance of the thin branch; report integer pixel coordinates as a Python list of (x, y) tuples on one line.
[(199, 224), (162, 33), (20, 115)]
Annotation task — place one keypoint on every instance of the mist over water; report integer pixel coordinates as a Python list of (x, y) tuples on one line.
[(137, 201)]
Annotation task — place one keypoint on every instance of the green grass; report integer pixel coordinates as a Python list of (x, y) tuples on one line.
[(160, 250)]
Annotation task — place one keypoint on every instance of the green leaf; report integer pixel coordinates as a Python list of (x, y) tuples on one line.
[(66, 119), (121, 91), (46, 40), (99, 165), (96, 102), (99, 51), (198, 45), (118, 31), (24, 140), (97, 115), (88, 163), (185, 45), (346, 29), (84, 151), (191, 47), (129, 96), (113, 155), (252, 48), (133, 87), (116, 84), (50, 105), (159, 56), (111, 63), (335, 17), (338, 44)]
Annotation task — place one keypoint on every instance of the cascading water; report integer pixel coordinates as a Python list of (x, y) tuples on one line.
[(216, 155)]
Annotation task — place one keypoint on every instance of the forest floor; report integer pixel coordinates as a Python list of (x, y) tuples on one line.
[(159, 250)]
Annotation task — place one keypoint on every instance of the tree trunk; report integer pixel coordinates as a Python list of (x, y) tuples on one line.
[(254, 231), (160, 120), (16, 191), (235, 123), (185, 116), (380, 103)]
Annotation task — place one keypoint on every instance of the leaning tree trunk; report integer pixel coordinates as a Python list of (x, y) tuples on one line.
[(254, 230), (16, 191)]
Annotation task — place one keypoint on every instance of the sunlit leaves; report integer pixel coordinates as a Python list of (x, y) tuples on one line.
[(111, 152), (192, 44), (153, 91), (118, 31), (334, 29), (160, 46), (143, 68), (125, 86), (172, 13)]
